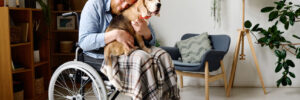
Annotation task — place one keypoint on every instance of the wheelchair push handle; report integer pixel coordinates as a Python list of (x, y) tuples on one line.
[(68, 14), (72, 14)]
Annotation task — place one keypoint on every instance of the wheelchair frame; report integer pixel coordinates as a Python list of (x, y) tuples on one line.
[(77, 71)]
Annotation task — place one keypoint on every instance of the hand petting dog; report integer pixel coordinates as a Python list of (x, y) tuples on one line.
[(141, 27)]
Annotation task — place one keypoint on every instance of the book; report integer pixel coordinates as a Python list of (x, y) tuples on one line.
[(12, 65), (24, 31), (18, 66)]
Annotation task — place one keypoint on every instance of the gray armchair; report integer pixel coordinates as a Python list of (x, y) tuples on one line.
[(211, 61)]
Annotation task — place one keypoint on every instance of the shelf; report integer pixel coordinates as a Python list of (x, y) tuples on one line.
[(20, 70), (36, 9), (20, 44), (66, 31), (40, 63), (15, 8), (78, 11), (64, 54)]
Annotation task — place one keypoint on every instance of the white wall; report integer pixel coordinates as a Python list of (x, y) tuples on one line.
[(193, 16)]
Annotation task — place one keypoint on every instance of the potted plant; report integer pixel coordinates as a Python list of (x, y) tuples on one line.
[(287, 14)]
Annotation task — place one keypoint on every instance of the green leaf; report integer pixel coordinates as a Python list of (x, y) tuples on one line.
[(298, 54), (292, 74), (290, 3), (273, 15), (267, 9), (283, 19), (297, 12), (286, 67), (291, 46), (292, 18), (295, 36), (248, 24), (278, 53), (279, 81), (280, 6), (283, 54), (278, 68), (290, 63), (255, 28), (284, 82), (288, 80), (286, 25)]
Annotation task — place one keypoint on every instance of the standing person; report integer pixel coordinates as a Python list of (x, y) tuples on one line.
[(128, 70)]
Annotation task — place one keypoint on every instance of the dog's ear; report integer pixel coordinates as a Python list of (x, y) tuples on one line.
[(142, 10)]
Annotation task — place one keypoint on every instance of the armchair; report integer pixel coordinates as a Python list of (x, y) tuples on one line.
[(211, 61)]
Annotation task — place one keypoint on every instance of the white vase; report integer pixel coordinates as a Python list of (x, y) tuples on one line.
[(36, 56)]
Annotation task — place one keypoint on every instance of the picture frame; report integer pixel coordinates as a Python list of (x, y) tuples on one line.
[(65, 23)]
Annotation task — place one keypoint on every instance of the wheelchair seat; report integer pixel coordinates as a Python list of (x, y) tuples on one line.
[(95, 63)]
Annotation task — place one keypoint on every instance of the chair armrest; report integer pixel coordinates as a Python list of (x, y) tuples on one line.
[(173, 51), (213, 57)]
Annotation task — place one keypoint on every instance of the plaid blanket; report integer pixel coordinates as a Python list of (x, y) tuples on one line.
[(144, 76)]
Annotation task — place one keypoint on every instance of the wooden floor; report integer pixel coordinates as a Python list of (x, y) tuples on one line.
[(217, 93)]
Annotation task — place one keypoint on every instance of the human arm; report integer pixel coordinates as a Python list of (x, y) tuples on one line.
[(145, 30), (94, 21)]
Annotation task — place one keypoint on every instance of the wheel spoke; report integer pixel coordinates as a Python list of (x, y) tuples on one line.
[(61, 77), (72, 81)]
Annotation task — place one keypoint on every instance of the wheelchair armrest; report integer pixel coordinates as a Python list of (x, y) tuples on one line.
[(78, 53)]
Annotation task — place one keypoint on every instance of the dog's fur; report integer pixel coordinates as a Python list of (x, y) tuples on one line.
[(123, 21)]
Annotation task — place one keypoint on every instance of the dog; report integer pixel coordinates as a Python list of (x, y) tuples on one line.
[(142, 9)]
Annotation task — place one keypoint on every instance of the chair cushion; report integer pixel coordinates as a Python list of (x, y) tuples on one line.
[(191, 67), (193, 48), (183, 64)]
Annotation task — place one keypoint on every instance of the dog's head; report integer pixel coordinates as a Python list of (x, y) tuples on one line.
[(149, 7)]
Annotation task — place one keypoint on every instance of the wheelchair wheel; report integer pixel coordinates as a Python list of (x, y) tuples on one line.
[(76, 80)]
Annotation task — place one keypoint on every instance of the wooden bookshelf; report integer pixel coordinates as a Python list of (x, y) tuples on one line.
[(22, 53), (57, 35), (65, 31), (21, 44), (78, 11), (20, 70), (41, 63)]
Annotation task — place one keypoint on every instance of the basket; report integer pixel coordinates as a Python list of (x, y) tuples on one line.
[(66, 46), (39, 86), (19, 95)]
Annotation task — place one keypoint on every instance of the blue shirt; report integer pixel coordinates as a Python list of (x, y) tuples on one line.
[(95, 18)]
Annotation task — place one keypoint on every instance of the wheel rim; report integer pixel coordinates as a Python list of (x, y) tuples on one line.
[(74, 83)]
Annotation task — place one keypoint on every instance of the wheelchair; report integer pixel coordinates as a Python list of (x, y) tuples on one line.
[(78, 80)]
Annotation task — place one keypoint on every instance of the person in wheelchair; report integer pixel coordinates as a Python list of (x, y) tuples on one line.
[(140, 75)]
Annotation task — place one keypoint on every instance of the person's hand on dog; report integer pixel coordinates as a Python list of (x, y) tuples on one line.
[(141, 27), (121, 36)]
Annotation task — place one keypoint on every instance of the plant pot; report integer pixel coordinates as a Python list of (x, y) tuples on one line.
[(36, 56)]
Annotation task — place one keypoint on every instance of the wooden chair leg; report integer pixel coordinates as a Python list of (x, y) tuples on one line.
[(224, 75), (206, 81), (181, 80)]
